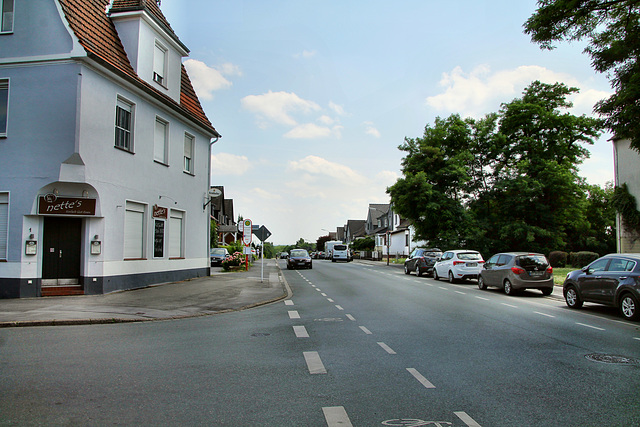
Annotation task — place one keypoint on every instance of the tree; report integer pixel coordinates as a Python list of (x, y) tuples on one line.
[(612, 28)]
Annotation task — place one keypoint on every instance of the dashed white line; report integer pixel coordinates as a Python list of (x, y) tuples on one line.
[(288, 302), (365, 330), (336, 416), (461, 293), (483, 298), (417, 375), (293, 314), (323, 294), (467, 419), (509, 305), (301, 332), (318, 289), (314, 363), (350, 317), (330, 300), (443, 288), (386, 348), (592, 327), (339, 307), (543, 314)]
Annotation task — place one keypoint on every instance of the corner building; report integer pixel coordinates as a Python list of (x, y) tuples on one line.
[(104, 150)]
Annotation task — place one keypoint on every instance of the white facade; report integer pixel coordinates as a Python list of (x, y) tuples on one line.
[(60, 144)]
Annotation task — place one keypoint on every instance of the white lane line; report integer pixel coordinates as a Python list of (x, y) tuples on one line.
[(442, 287), (509, 305), (483, 298), (314, 364), (330, 300), (338, 307), (350, 317), (429, 284), (461, 293), (288, 302), (637, 339), (336, 416), (293, 314), (543, 314), (386, 348), (592, 327), (417, 375), (323, 294), (319, 290), (365, 330), (467, 419), (313, 286), (301, 332)]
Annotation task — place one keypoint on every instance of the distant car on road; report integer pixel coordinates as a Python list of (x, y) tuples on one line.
[(298, 258), (460, 264), (421, 261), (612, 280), (218, 255), (515, 271)]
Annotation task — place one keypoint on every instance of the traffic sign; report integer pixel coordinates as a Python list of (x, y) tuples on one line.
[(261, 233), (246, 232)]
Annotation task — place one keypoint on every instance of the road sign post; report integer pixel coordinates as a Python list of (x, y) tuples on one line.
[(263, 234), (246, 239)]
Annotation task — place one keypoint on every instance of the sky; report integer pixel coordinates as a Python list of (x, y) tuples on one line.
[(313, 98)]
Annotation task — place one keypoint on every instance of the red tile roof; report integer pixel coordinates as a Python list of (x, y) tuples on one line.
[(98, 35)]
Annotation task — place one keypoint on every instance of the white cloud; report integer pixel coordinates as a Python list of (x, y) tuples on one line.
[(305, 54), (338, 109), (207, 79), (266, 195), (326, 120), (308, 131), (278, 107), (482, 91), (314, 165), (371, 130), (229, 164)]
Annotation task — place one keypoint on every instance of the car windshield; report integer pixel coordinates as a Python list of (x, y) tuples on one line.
[(532, 261), (469, 256), (218, 251), (299, 253)]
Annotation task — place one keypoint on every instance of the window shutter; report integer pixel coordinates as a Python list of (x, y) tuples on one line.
[(175, 235), (160, 141), (134, 231), (4, 224)]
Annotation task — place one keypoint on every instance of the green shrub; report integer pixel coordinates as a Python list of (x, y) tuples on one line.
[(558, 259), (582, 258)]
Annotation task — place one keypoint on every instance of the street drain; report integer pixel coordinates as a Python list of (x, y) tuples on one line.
[(260, 334), (612, 358)]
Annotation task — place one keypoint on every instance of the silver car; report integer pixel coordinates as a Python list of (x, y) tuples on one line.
[(515, 271)]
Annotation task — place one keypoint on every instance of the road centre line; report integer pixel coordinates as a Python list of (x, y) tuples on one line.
[(314, 363), (330, 300), (467, 419), (350, 317), (425, 382), (339, 307), (288, 302), (301, 332), (483, 298), (443, 288), (509, 305), (543, 314), (365, 330), (323, 294), (386, 348), (336, 416), (461, 293), (293, 314), (592, 327)]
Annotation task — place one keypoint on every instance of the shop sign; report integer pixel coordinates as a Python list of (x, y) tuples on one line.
[(160, 212), (51, 204)]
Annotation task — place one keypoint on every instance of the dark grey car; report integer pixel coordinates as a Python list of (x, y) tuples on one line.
[(218, 255), (514, 271), (421, 261), (612, 280)]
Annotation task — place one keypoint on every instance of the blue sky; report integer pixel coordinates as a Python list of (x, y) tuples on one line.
[(313, 98)]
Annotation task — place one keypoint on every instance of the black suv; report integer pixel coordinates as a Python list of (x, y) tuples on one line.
[(421, 261)]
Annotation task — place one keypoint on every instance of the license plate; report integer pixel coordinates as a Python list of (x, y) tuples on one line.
[(472, 264), (536, 273)]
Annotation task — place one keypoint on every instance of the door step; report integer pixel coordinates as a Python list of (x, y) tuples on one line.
[(59, 291)]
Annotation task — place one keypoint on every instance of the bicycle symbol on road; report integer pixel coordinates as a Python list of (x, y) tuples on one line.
[(413, 422)]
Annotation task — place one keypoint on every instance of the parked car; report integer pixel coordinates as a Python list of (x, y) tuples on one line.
[(298, 258), (515, 271), (283, 255), (421, 261), (341, 253), (218, 255), (460, 264), (612, 280)]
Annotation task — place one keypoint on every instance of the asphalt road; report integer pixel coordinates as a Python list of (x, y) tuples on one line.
[(356, 345)]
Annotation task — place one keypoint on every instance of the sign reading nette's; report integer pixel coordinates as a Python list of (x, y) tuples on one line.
[(53, 205)]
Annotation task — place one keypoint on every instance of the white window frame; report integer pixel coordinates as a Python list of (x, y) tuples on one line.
[(189, 149), (161, 141), (128, 106), (135, 223), (4, 224), (176, 234), (160, 55), (4, 88), (7, 10)]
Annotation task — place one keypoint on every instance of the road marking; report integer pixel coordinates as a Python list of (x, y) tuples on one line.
[(442, 287), (318, 289), (483, 298), (323, 294), (543, 314), (338, 307), (350, 317), (467, 419), (509, 305), (301, 332), (592, 327), (293, 314), (425, 382), (336, 416), (429, 284), (288, 302), (314, 364), (330, 300), (637, 339), (365, 330), (386, 348), (461, 293)]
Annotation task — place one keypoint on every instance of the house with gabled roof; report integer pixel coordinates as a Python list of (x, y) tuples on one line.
[(104, 150)]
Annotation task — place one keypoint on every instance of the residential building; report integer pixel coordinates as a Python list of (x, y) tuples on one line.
[(627, 171), (104, 150), (354, 229)]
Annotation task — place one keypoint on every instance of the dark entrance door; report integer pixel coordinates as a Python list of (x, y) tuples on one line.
[(61, 251)]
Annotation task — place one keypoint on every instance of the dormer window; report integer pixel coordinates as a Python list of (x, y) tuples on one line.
[(6, 18), (160, 64)]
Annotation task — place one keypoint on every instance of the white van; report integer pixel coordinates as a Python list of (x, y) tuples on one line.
[(340, 253)]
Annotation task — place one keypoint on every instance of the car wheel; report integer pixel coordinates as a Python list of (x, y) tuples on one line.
[(547, 291), (508, 288), (451, 278), (481, 285), (572, 298), (406, 269), (629, 307), (435, 274), (418, 273)]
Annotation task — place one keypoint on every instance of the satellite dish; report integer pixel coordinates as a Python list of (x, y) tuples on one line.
[(215, 192)]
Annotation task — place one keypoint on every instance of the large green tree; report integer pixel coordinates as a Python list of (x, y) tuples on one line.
[(612, 30)]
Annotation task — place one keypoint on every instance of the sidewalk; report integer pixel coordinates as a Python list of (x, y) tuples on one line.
[(218, 293)]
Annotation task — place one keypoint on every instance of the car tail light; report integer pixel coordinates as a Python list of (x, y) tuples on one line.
[(480, 262), (458, 262), (517, 270), (550, 270)]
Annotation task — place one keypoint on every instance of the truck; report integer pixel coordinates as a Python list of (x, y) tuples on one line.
[(328, 248)]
